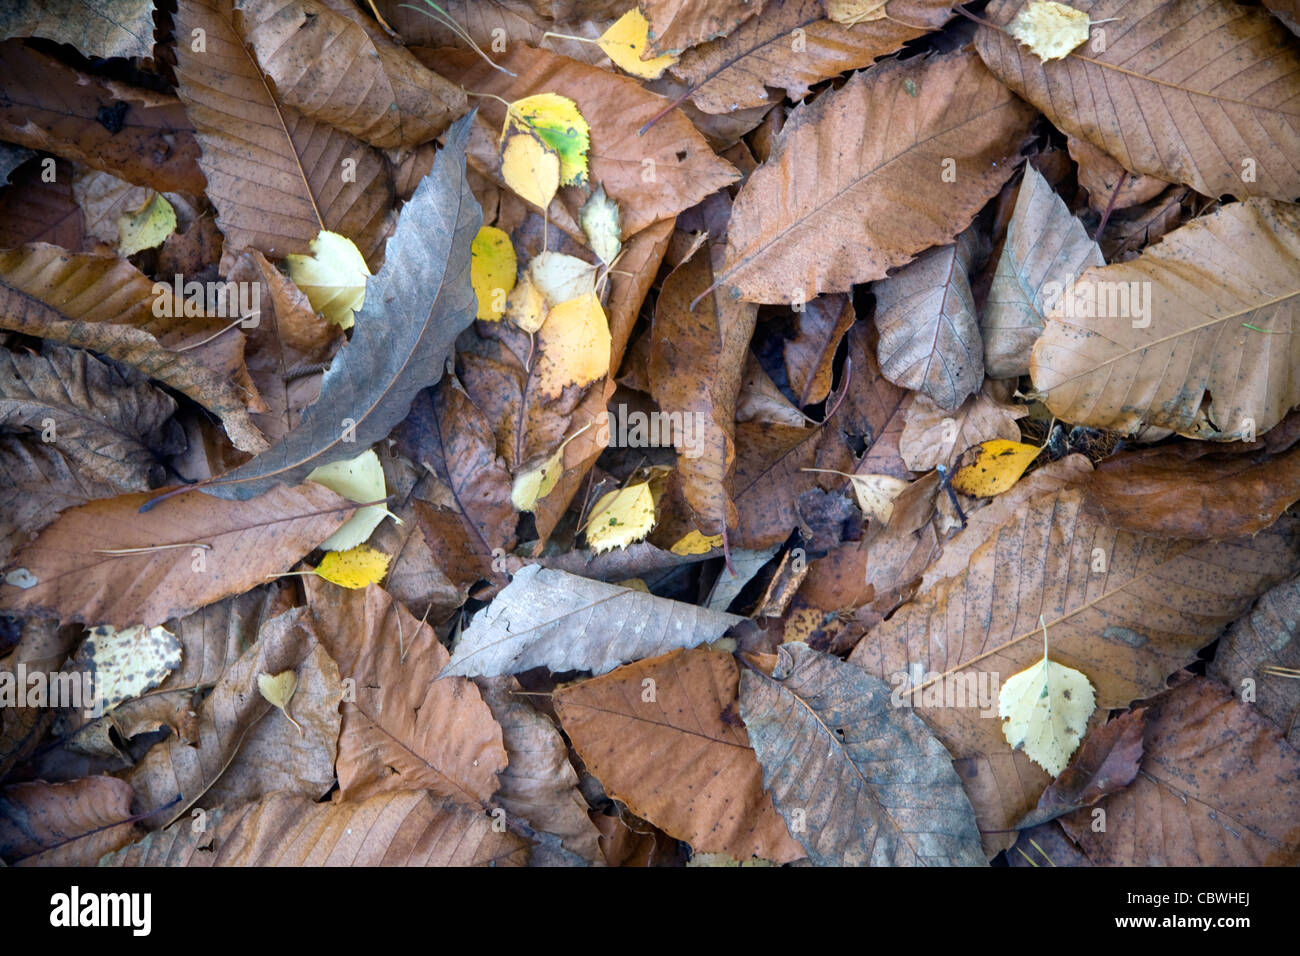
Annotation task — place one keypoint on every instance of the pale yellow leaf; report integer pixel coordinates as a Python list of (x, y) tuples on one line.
[(359, 479), (621, 518), (1049, 28), (333, 277)]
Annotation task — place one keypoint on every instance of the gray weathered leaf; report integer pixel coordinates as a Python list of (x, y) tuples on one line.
[(859, 781), (929, 337), (415, 307), (554, 619), (1044, 245)]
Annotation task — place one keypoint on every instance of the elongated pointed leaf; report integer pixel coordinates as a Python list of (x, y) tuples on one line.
[(558, 620), (415, 307), (846, 768)]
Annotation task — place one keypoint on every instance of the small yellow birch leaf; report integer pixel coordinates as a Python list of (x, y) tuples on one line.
[(356, 568), (492, 268), (558, 123), (621, 518), (574, 345), (531, 168), (696, 543), (530, 486), (1050, 29), (603, 225), (998, 464), (1046, 707), (560, 278), (625, 42), (358, 479), (147, 227), (125, 664), (333, 277), (526, 306), (278, 691), (852, 12)]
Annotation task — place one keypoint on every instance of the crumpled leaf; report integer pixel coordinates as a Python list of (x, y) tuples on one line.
[(601, 220), (532, 621), (333, 277), (839, 225), (1166, 341), (664, 737), (843, 766), (625, 43), (415, 307), (1049, 28), (621, 517), (125, 664), (101, 28)]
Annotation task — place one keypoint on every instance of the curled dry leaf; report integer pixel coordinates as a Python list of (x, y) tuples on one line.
[(95, 27), (820, 214), (842, 764)]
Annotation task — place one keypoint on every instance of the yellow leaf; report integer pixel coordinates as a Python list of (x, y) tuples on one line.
[(333, 277), (147, 227), (560, 278), (1050, 29), (574, 345), (358, 479), (492, 268), (1046, 707), (875, 493), (853, 12), (697, 543), (601, 222), (624, 43), (278, 691), (531, 168), (126, 663), (530, 486), (997, 466), (621, 518), (557, 122), (355, 568), (526, 306)]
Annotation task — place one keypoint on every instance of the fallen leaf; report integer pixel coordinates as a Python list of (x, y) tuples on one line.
[(994, 468), (64, 824), (396, 350), (1052, 30), (531, 623), (333, 277), (840, 761), (801, 227), (677, 25), (679, 713), (1166, 60), (810, 355), (625, 43), (355, 568), (530, 167), (102, 28), (621, 517), (125, 664), (1172, 339), (574, 345), (1046, 709), (106, 563), (931, 437), (492, 271), (360, 479)]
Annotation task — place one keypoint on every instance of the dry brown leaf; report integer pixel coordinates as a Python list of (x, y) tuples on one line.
[(143, 137), (103, 303), (33, 210), (1046, 249), (246, 747), (40, 482), (486, 21), (677, 25), (412, 828), (64, 824), (651, 177), (932, 437), (327, 66), (276, 177), (101, 28), (821, 213), (1193, 91), (664, 737), (735, 71), (1218, 787), (1259, 658), (539, 785), (1195, 335), (1125, 610), (112, 426), (186, 552), (810, 355), (929, 337), (1101, 176), (405, 730)]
